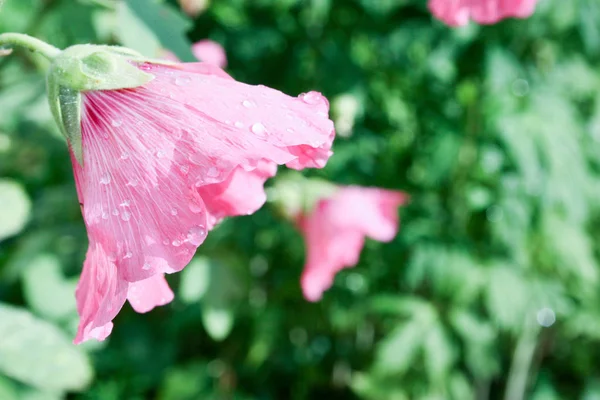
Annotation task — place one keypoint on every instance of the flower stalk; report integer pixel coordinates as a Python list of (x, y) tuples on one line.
[(9, 40)]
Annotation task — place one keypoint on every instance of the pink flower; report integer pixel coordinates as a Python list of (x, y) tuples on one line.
[(205, 50), (459, 12), (335, 232), (210, 52), (164, 162)]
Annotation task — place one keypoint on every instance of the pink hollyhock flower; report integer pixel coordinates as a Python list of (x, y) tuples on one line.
[(211, 52), (165, 161), (205, 50), (335, 232), (459, 12)]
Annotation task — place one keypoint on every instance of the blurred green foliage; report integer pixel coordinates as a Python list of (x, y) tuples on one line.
[(489, 291)]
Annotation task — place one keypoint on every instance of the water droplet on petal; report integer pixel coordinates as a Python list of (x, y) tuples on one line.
[(117, 122), (160, 154), (322, 114), (248, 104), (126, 216), (105, 179), (182, 80), (213, 172), (311, 98), (124, 155), (166, 241), (173, 211), (184, 169), (104, 215), (176, 243), (238, 124), (147, 266), (132, 182), (126, 203), (259, 129), (289, 130), (115, 212), (128, 255), (195, 208), (196, 235)]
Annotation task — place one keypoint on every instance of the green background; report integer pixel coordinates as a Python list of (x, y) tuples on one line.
[(490, 289)]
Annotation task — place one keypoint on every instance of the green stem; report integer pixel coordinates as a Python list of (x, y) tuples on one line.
[(30, 43)]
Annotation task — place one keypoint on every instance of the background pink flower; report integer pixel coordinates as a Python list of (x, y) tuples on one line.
[(162, 163), (335, 232), (204, 50), (459, 12)]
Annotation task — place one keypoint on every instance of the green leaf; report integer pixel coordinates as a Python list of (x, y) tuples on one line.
[(149, 26), (15, 208), (46, 291), (397, 351), (507, 297), (37, 353), (8, 391)]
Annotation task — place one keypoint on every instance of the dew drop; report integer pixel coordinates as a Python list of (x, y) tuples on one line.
[(146, 266), (289, 130), (104, 215), (322, 114), (213, 172), (105, 179), (166, 241), (176, 243), (248, 104), (195, 208), (126, 203), (128, 255), (160, 154), (132, 182), (124, 155), (259, 129), (117, 122), (173, 211), (126, 216), (228, 122), (238, 124), (196, 235), (182, 80), (115, 212), (311, 98), (184, 169)]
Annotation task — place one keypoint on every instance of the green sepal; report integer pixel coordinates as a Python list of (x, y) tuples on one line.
[(89, 67), (65, 104)]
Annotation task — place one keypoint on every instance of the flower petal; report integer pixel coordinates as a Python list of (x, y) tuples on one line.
[(241, 194), (336, 229), (149, 293), (100, 295), (458, 12)]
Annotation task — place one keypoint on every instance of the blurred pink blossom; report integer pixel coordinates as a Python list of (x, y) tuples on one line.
[(335, 232), (205, 50), (211, 52), (459, 12), (164, 162)]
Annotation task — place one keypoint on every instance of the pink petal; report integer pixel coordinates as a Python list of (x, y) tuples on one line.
[(149, 293), (459, 12), (336, 229), (241, 194), (164, 161), (211, 52), (100, 295)]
